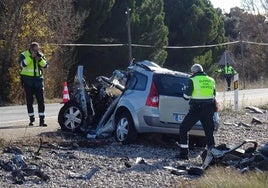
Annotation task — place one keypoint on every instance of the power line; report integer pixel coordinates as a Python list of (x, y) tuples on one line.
[(89, 45), (166, 47), (256, 43)]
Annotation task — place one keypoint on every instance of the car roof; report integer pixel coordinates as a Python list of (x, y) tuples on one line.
[(155, 68)]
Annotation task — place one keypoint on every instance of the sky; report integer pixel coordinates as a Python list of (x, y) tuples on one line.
[(226, 4)]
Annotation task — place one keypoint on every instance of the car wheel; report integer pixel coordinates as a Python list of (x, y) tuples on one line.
[(125, 130), (70, 117)]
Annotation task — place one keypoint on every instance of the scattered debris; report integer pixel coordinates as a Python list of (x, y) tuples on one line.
[(126, 162), (240, 124), (185, 170), (247, 126), (176, 171), (15, 150), (140, 160), (85, 177), (255, 109), (40, 146), (91, 172), (19, 169), (91, 143), (255, 121), (243, 160)]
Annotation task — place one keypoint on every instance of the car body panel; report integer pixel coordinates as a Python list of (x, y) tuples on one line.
[(172, 109)]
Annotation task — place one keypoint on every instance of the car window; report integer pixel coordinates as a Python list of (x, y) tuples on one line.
[(170, 85), (137, 81)]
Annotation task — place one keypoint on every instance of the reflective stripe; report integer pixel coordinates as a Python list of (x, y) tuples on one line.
[(31, 114), (186, 96), (32, 67), (41, 114), (184, 146), (202, 97)]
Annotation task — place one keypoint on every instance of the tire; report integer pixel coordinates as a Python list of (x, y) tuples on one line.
[(125, 130), (70, 117)]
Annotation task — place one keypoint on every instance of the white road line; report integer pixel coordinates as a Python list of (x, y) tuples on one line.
[(22, 120)]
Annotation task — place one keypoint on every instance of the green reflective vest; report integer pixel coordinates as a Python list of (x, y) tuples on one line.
[(228, 70), (203, 87), (33, 68)]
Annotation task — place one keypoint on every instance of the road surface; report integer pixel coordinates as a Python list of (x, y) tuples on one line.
[(252, 97), (14, 119)]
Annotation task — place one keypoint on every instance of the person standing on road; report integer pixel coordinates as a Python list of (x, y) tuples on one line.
[(32, 62), (201, 91), (229, 73)]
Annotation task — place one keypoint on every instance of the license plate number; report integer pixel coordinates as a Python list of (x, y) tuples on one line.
[(178, 117)]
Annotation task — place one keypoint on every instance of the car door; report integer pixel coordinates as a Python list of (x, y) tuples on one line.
[(172, 106)]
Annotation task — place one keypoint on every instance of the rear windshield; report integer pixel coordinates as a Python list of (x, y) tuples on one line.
[(170, 85)]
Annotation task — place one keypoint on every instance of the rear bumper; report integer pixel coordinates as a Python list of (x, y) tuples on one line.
[(154, 125)]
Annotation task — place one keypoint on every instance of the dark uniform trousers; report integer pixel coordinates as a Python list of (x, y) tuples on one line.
[(203, 112), (228, 78), (39, 93)]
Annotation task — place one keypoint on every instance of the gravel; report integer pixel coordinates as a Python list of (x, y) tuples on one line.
[(106, 163)]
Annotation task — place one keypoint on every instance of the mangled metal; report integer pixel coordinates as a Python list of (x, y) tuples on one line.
[(20, 169), (91, 108), (89, 105), (242, 159)]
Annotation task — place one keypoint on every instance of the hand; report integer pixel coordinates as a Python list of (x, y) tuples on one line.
[(38, 58), (39, 55)]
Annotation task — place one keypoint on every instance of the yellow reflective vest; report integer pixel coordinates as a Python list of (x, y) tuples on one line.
[(31, 67), (203, 87)]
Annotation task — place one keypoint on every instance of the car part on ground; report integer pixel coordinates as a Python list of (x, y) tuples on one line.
[(245, 159)]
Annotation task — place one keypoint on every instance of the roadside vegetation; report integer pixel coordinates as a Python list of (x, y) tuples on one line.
[(220, 177)]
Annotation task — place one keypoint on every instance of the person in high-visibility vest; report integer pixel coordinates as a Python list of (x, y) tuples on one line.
[(200, 92), (229, 73), (32, 62)]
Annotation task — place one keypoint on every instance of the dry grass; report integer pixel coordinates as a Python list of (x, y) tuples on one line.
[(219, 177), (221, 84), (55, 100)]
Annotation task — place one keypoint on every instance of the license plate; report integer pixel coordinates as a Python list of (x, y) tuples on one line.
[(178, 117)]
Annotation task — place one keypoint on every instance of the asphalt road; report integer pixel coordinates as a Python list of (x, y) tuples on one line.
[(14, 122), (252, 97), (14, 119)]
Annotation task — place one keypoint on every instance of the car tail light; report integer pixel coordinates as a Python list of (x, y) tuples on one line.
[(153, 97)]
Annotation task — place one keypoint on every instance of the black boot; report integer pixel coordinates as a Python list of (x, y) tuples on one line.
[(32, 119), (183, 154), (42, 122)]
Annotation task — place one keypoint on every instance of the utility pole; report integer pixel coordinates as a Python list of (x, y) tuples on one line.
[(242, 59), (129, 35)]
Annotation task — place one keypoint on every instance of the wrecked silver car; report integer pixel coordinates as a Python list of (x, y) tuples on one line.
[(149, 101)]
